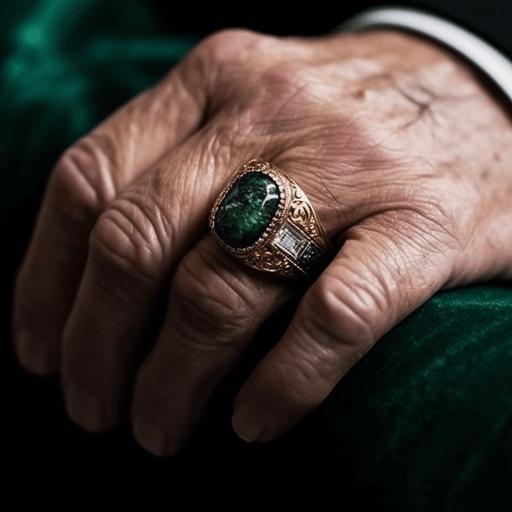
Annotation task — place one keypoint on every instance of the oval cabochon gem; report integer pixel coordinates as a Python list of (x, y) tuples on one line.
[(247, 210)]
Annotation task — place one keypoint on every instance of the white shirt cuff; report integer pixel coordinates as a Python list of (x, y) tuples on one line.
[(485, 57)]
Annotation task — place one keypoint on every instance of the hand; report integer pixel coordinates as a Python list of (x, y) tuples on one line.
[(404, 154)]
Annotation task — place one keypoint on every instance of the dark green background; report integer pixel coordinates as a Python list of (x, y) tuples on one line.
[(423, 422)]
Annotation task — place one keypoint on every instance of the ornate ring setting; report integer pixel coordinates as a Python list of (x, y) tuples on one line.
[(264, 219)]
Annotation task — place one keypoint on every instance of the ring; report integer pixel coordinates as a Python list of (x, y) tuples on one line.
[(264, 219)]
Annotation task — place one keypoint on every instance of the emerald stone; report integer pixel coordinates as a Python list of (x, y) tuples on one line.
[(247, 210)]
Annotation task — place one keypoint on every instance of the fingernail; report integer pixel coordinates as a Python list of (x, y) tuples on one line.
[(148, 435), (33, 354), (83, 408), (248, 424)]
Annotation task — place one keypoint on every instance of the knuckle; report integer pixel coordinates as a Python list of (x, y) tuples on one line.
[(129, 239), (211, 300), (347, 312), (219, 61), (80, 182), (228, 45)]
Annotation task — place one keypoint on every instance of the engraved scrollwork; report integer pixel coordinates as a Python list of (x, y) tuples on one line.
[(267, 259), (256, 165), (302, 214)]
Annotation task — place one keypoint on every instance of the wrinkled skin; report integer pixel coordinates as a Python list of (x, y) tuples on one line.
[(404, 154)]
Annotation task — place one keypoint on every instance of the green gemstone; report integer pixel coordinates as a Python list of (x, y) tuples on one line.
[(247, 210)]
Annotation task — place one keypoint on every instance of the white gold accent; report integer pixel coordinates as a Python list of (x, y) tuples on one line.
[(489, 60), (291, 241)]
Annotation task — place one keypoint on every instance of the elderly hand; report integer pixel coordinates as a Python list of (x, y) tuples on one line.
[(405, 156)]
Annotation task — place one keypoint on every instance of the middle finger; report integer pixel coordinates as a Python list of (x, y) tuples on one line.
[(215, 307)]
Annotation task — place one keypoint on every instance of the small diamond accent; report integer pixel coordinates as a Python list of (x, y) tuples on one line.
[(304, 251), (291, 240)]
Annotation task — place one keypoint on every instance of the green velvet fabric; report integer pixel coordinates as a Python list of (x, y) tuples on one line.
[(431, 406), (66, 64), (423, 422)]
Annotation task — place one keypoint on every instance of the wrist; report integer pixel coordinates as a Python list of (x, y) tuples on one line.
[(492, 63)]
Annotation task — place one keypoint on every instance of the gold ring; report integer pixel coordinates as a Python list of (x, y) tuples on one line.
[(264, 219)]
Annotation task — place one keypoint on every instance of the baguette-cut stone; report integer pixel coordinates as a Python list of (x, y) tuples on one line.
[(304, 251), (291, 241), (247, 210)]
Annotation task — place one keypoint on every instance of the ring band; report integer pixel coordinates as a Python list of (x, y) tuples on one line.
[(264, 219)]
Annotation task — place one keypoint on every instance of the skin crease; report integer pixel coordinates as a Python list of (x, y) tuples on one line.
[(404, 154)]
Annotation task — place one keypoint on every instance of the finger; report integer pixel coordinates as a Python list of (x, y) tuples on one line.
[(215, 306), (389, 265), (88, 177), (214, 310), (133, 249)]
